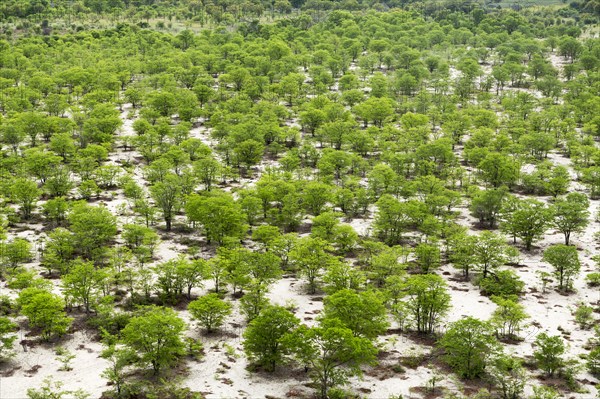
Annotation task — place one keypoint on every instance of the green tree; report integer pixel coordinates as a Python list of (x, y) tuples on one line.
[(428, 257), (331, 352), (571, 214), (26, 193), (15, 252), (468, 343), (116, 373), (548, 353), (155, 334), (391, 219), (83, 284), (427, 301), (263, 339), (527, 219), (486, 205), (92, 227), (490, 252), (364, 313), (316, 196), (45, 311), (565, 261), (218, 214), (210, 311), (498, 169), (508, 317), (508, 375), (249, 152), (309, 256), (167, 196)]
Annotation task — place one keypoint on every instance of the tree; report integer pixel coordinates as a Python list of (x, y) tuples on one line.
[(593, 362), (15, 252), (192, 273), (155, 334), (486, 205), (83, 284), (570, 47), (461, 247), (207, 170), (119, 359), (45, 311), (53, 390), (218, 214), (331, 352), (26, 193), (55, 210), (167, 196), (7, 337), (548, 353), (427, 301), (571, 214), (254, 301), (210, 311), (263, 338), (428, 257), (341, 275), (316, 196), (364, 313), (249, 152), (310, 258), (490, 252), (140, 239), (527, 219), (508, 375), (565, 261), (391, 219), (468, 343), (498, 169), (508, 317), (92, 227)]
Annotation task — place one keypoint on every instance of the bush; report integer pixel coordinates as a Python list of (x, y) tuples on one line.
[(593, 279), (584, 316)]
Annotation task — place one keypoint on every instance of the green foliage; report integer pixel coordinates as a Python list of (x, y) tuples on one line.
[(210, 311), (218, 214), (364, 313), (309, 256), (92, 227), (44, 311), (7, 338), (427, 301), (264, 341), (565, 262), (83, 284), (571, 214), (468, 344), (331, 352), (155, 335), (53, 390), (508, 317), (508, 375), (504, 283), (526, 219), (584, 316), (548, 353)]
